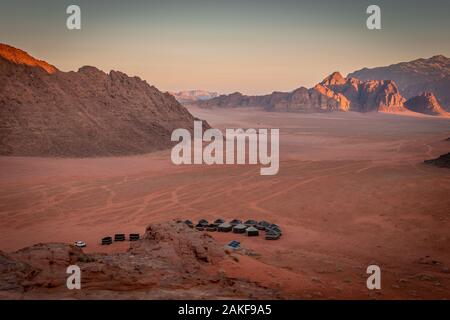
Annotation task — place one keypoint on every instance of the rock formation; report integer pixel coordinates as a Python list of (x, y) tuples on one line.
[(443, 161), (366, 96), (46, 112), (425, 103), (415, 77)]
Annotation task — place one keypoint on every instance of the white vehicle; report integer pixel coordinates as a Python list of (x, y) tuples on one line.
[(80, 244)]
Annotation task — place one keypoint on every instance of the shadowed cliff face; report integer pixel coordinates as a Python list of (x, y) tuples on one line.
[(334, 93), (46, 112), (425, 103)]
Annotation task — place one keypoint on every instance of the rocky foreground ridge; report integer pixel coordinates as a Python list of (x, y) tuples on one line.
[(171, 261)]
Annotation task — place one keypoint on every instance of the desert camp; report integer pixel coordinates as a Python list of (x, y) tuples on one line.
[(250, 228)]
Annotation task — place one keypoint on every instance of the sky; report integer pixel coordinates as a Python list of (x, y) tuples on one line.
[(250, 46)]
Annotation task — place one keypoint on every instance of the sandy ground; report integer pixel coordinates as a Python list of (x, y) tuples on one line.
[(351, 191)]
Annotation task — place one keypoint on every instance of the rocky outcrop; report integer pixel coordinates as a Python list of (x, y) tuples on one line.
[(442, 162), (46, 112), (425, 103), (364, 96), (171, 261), (415, 77), (334, 79), (14, 274), (334, 93)]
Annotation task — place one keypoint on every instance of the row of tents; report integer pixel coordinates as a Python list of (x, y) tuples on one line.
[(120, 237), (250, 227)]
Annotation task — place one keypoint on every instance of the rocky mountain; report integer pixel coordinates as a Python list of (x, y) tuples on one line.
[(415, 77), (46, 112), (334, 93), (193, 95), (425, 103)]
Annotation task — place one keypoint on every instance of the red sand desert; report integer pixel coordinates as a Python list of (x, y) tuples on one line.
[(352, 190)]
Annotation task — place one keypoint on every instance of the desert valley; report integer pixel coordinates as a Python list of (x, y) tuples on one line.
[(87, 154)]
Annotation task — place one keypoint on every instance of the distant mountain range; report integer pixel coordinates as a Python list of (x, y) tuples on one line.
[(193, 95), (415, 77), (47, 112), (361, 94)]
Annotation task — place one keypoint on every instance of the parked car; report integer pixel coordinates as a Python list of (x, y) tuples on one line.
[(80, 244)]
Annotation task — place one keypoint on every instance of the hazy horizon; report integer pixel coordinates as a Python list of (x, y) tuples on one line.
[(254, 47)]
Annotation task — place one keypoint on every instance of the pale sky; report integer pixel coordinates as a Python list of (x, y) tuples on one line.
[(251, 46)]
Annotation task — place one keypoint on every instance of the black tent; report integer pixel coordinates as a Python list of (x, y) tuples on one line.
[(252, 232), (250, 223), (272, 235), (225, 227), (189, 223), (200, 227), (274, 227), (119, 237), (262, 225), (134, 236), (240, 228), (235, 222), (107, 241), (218, 222)]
